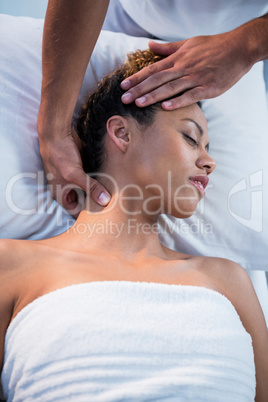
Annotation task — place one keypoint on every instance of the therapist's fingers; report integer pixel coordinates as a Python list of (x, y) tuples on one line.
[(201, 67), (188, 98), (165, 49), (154, 87), (188, 91), (168, 90), (161, 66), (154, 75)]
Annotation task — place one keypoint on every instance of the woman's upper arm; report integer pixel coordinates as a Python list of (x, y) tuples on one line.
[(7, 293), (241, 293), (5, 315)]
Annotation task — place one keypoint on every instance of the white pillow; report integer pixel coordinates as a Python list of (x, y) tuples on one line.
[(232, 221), (27, 210)]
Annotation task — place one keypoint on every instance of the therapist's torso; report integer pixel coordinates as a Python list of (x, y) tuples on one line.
[(180, 19)]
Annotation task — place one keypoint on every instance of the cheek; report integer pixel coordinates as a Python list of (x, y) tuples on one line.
[(183, 196), (152, 162), (167, 163), (181, 163)]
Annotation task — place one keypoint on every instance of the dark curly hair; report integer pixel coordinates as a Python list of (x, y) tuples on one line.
[(106, 102)]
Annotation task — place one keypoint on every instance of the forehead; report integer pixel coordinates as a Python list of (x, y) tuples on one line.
[(183, 116)]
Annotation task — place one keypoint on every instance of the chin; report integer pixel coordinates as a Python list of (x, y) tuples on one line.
[(182, 216), (184, 211)]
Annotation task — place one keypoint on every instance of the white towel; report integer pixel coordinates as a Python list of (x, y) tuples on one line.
[(128, 341)]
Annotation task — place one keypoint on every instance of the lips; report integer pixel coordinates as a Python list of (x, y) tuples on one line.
[(200, 182)]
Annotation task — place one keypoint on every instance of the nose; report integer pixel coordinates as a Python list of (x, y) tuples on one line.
[(206, 162)]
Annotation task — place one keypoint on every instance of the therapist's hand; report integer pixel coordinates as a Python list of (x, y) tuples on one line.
[(200, 68), (63, 167), (71, 30)]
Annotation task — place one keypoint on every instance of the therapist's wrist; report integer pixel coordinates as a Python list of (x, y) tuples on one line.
[(254, 40), (53, 123)]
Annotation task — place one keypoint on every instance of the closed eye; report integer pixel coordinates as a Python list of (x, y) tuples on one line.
[(190, 139)]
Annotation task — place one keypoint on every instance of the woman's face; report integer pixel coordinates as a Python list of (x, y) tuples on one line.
[(171, 161)]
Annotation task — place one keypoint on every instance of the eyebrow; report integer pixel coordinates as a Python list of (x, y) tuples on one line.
[(196, 124), (201, 131)]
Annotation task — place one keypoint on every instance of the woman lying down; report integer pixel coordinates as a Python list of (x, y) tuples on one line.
[(104, 312)]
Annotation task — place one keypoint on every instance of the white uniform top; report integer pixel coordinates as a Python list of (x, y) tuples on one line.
[(178, 19)]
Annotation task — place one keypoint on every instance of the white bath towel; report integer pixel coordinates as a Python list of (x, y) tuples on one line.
[(128, 341)]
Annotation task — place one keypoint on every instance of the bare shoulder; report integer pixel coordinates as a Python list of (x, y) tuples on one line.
[(221, 273), (5, 248), (12, 250), (229, 277), (8, 265), (8, 258), (11, 253), (17, 259), (233, 281), (225, 269)]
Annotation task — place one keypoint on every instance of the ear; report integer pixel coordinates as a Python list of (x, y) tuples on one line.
[(118, 130)]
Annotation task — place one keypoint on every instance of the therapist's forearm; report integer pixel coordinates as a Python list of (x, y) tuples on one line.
[(255, 33), (71, 30)]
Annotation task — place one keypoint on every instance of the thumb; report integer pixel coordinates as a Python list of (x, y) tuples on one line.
[(95, 189), (165, 49), (72, 195)]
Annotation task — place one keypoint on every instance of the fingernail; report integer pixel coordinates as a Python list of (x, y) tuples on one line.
[(167, 104), (125, 84), (50, 176), (104, 199), (127, 97), (141, 100)]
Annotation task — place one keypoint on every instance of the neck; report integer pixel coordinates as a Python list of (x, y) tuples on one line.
[(121, 228)]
